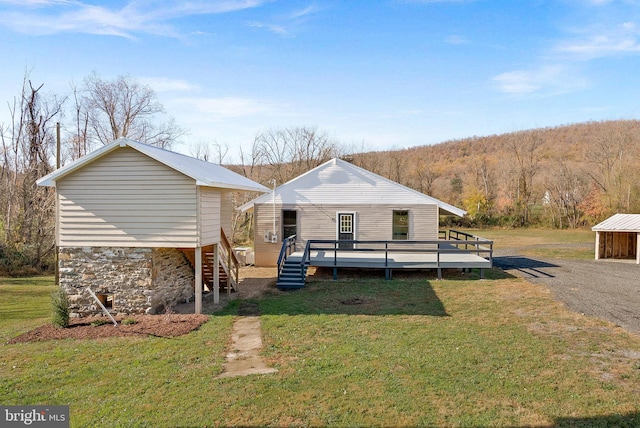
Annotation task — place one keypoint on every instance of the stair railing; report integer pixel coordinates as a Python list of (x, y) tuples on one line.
[(288, 247), (229, 262)]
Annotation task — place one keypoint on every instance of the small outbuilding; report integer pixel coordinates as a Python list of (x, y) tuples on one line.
[(617, 238), (142, 227)]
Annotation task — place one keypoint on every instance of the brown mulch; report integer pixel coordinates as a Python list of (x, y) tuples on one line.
[(254, 283), (168, 325)]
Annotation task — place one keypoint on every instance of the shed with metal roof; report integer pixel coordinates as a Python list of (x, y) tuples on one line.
[(617, 238)]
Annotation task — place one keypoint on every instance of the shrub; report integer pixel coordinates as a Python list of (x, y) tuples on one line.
[(98, 323), (60, 302)]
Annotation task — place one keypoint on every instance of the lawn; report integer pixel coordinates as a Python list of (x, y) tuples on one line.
[(545, 243), (357, 352)]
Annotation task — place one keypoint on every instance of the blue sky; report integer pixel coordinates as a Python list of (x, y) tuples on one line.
[(374, 74)]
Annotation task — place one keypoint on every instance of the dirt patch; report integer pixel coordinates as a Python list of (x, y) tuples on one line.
[(169, 325), (353, 301)]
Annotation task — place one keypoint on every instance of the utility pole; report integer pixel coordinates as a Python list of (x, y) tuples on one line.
[(57, 270), (58, 145)]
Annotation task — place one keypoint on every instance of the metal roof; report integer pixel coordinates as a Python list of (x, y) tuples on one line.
[(338, 182), (204, 173), (619, 223)]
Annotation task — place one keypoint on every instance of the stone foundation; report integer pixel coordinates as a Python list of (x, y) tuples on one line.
[(136, 280)]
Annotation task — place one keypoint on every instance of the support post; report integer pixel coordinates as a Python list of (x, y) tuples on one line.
[(335, 273), (198, 285), (638, 249), (216, 275), (597, 246)]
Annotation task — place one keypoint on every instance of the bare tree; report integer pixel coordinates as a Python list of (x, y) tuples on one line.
[(524, 148), (610, 159), (290, 152), (565, 192), (125, 108), (27, 215)]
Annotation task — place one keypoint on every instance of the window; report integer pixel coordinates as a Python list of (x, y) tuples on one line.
[(289, 223), (400, 225), (106, 300)]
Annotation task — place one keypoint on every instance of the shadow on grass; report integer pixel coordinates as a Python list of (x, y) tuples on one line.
[(530, 268), (355, 293), (616, 420)]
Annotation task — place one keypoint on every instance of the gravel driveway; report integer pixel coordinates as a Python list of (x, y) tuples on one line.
[(606, 289)]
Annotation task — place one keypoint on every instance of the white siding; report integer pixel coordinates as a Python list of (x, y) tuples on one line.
[(226, 212), (127, 199), (210, 202), (266, 253), (373, 222)]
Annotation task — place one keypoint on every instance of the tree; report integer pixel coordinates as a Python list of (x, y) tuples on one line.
[(125, 108), (610, 154), (27, 215), (524, 148), (290, 152)]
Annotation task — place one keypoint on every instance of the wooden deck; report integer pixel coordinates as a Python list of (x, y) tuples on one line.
[(449, 253), (394, 260)]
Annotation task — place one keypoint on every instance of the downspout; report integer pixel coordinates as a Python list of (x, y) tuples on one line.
[(273, 200)]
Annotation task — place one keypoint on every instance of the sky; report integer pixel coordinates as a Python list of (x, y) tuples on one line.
[(373, 75)]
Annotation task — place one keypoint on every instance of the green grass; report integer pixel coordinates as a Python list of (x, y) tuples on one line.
[(544, 243), (24, 304), (356, 352)]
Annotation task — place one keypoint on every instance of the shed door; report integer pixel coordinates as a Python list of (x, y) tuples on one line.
[(346, 229)]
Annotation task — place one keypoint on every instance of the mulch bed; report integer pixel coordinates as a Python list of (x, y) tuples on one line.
[(169, 325)]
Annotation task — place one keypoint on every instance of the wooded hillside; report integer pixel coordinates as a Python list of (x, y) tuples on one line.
[(566, 176)]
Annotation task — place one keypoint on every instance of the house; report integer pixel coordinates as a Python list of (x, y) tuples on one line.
[(142, 227), (617, 238), (340, 201)]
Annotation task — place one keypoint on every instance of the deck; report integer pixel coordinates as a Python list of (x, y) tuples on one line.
[(451, 252)]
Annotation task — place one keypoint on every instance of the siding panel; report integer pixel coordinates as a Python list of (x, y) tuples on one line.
[(373, 222), (210, 215), (127, 199)]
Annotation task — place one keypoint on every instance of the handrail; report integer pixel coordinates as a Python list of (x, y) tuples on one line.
[(285, 251), (226, 243), (233, 266)]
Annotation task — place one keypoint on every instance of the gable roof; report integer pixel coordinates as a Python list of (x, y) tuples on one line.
[(204, 173), (342, 183), (619, 223)]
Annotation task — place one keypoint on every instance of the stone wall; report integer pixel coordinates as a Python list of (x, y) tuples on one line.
[(139, 280)]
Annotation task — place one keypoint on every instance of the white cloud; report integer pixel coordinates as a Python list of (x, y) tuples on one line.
[(455, 39), (602, 42), (165, 84), (44, 17), (544, 81), (277, 29), (230, 107)]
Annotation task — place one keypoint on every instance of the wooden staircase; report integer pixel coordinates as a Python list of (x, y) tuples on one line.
[(228, 266)]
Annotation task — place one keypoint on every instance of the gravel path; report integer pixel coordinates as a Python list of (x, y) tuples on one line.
[(606, 289)]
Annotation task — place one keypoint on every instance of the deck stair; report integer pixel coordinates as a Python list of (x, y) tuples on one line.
[(292, 270), (293, 274)]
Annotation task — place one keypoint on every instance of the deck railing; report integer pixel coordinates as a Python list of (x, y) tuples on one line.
[(453, 245), (481, 245)]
